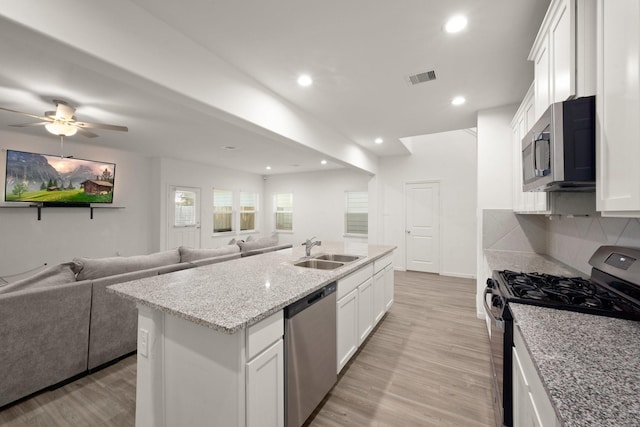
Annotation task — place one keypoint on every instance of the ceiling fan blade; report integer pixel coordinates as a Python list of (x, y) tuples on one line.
[(24, 125), (86, 133), (100, 126), (27, 114), (63, 110)]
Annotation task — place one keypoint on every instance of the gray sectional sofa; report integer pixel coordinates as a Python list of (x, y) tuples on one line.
[(61, 323)]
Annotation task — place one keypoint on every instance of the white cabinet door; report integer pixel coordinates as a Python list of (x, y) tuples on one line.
[(541, 76), (564, 53), (525, 412), (389, 286), (618, 108), (265, 388), (347, 327), (531, 403), (365, 310), (378, 296), (562, 49)]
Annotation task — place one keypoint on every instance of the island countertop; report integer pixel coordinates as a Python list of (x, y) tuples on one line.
[(232, 295)]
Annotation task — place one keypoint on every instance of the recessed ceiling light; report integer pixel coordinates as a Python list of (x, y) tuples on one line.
[(305, 80), (323, 162), (378, 140), (268, 168), (458, 100), (455, 24)]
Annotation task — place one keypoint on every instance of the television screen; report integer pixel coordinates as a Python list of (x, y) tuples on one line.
[(42, 178)]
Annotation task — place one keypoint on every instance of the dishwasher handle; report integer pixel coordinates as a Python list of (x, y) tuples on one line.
[(309, 300)]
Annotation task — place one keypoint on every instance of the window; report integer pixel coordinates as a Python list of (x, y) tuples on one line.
[(185, 208), (284, 211), (356, 218), (222, 210), (248, 211)]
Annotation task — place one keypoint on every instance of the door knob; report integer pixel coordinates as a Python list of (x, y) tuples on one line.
[(408, 231)]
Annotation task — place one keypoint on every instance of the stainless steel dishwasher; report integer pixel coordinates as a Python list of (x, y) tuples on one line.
[(310, 353)]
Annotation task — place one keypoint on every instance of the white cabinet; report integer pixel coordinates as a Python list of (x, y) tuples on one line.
[(563, 53), (379, 301), (531, 404), (364, 296), (347, 327), (265, 373), (618, 108), (365, 310), (265, 388), (525, 201)]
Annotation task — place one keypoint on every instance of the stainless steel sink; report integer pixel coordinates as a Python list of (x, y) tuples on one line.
[(319, 264), (338, 257)]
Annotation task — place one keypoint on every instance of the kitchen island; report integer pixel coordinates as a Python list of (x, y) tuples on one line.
[(210, 338)]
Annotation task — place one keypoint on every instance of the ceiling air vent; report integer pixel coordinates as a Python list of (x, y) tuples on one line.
[(426, 76)]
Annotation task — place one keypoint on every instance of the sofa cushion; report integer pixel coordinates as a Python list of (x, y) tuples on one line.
[(51, 276), (191, 254), (263, 242), (95, 268)]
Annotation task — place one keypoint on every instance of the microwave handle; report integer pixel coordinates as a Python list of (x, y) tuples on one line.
[(542, 136)]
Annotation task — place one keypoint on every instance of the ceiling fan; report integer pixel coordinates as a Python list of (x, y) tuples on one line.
[(62, 122)]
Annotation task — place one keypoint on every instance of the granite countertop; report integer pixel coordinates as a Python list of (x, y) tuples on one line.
[(231, 295), (588, 364)]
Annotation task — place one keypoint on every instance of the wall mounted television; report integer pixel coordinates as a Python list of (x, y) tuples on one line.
[(50, 180)]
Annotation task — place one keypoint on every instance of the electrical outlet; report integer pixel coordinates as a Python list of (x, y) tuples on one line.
[(143, 342)]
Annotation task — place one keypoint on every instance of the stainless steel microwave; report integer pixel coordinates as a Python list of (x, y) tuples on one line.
[(559, 152)]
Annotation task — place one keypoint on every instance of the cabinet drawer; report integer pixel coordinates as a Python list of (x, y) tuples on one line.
[(352, 281), (380, 264), (264, 333)]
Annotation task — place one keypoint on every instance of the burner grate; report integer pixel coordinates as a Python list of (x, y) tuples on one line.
[(573, 293)]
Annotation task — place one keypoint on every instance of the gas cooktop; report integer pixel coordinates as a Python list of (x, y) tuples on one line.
[(568, 293), (613, 289)]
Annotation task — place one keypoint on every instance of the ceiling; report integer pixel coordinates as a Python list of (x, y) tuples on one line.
[(359, 54)]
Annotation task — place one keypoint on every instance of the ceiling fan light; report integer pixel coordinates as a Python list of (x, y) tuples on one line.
[(59, 129)]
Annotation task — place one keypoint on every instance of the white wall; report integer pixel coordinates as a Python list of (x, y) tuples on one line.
[(318, 203), (206, 178), (495, 161), (64, 233), (450, 158), (495, 175)]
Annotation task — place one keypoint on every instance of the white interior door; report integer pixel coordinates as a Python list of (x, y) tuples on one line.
[(422, 203), (183, 217)]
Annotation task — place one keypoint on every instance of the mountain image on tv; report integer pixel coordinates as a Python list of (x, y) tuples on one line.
[(42, 178)]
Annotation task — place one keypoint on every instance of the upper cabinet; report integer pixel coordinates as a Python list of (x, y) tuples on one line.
[(524, 201), (618, 108), (564, 53)]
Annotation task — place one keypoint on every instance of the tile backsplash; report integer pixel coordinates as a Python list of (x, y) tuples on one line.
[(570, 240), (574, 240)]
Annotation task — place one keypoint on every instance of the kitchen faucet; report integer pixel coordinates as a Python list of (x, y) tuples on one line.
[(311, 243)]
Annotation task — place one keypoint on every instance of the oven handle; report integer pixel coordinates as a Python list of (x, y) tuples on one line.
[(487, 309)]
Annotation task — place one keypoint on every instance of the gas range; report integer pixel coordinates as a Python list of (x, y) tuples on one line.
[(566, 293)]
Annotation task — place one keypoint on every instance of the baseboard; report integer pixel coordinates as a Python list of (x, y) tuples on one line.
[(461, 275)]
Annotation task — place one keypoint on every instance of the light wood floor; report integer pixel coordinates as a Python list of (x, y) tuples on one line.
[(427, 364)]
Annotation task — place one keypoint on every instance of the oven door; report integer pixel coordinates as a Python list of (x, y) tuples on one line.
[(501, 341)]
